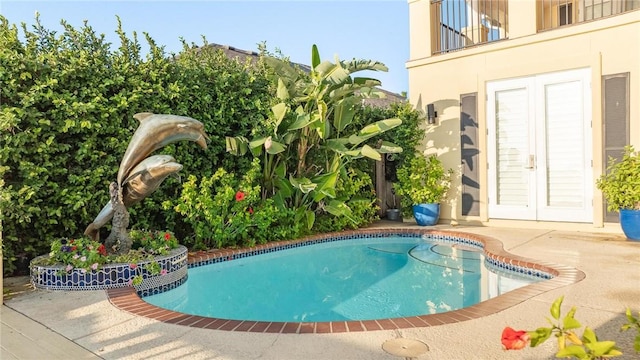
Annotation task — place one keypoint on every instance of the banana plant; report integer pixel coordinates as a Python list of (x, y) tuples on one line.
[(310, 140)]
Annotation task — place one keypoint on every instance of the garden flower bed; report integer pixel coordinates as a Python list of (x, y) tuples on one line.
[(152, 276), (158, 264)]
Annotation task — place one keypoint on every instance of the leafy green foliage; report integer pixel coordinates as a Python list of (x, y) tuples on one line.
[(153, 242), (66, 115), (88, 255), (82, 253), (308, 140), (423, 180), (633, 323), (356, 191), (621, 182), (407, 135), (587, 347), (225, 211)]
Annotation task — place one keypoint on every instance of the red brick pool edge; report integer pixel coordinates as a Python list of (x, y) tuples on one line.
[(127, 299)]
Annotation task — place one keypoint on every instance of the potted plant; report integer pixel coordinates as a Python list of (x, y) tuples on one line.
[(620, 186), (393, 213), (423, 184)]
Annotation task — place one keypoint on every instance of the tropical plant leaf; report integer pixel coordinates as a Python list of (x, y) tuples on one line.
[(302, 120), (571, 351), (315, 56), (338, 208), (282, 91), (236, 145), (539, 336), (389, 148), (279, 111), (275, 148), (343, 113), (303, 184), (371, 153), (374, 129), (359, 65), (555, 308), (569, 322)]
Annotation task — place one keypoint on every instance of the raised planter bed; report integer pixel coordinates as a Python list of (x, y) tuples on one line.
[(173, 273)]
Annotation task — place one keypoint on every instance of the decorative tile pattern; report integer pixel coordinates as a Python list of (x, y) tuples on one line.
[(555, 276), (53, 277)]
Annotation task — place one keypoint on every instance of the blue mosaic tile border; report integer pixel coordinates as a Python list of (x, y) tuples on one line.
[(53, 277), (443, 238), (500, 266)]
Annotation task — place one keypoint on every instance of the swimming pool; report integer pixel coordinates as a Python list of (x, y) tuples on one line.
[(130, 299), (362, 278)]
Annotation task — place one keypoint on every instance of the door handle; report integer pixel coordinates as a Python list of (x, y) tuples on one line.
[(532, 162)]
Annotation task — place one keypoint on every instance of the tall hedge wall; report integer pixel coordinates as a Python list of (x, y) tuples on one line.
[(67, 102)]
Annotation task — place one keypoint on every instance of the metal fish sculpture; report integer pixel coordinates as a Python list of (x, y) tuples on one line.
[(145, 178), (156, 131)]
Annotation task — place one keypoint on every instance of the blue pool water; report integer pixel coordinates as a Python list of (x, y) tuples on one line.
[(358, 279)]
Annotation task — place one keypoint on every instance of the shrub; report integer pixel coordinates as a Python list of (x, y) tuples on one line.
[(226, 211), (424, 180), (621, 183), (356, 190)]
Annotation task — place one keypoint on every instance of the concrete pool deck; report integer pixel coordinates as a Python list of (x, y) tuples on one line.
[(78, 325)]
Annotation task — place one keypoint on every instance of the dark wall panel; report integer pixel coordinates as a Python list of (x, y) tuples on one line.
[(469, 151), (615, 120)]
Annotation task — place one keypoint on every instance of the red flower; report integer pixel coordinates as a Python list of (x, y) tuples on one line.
[(102, 250), (74, 248), (239, 196), (167, 236), (514, 340), (250, 210)]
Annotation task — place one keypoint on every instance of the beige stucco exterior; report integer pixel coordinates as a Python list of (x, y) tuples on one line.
[(606, 46)]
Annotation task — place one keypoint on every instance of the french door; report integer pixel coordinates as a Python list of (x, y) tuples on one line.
[(539, 147)]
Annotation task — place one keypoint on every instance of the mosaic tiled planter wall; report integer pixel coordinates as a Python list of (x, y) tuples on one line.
[(173, 273)]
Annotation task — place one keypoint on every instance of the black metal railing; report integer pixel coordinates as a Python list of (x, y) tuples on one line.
[(552, 14), (459, 24)]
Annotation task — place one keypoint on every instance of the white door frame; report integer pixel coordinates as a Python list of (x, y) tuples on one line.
[(531, 142)]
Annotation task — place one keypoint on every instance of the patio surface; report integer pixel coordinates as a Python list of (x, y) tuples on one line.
[(85, 325)]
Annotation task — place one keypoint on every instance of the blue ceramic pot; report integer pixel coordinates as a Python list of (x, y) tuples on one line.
[(630, 223), (426, 214)]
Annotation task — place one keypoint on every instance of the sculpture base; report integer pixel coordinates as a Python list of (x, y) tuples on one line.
[(173, 273)]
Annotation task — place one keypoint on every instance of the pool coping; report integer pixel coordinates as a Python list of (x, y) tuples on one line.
[(127, 299)]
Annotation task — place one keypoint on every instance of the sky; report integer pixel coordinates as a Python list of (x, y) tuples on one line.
[(362, 29)]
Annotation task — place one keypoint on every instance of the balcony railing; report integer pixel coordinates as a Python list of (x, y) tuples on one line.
[(459, 24), (556, 13)]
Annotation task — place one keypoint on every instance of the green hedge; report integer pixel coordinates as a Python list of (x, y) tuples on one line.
[(66, 113)]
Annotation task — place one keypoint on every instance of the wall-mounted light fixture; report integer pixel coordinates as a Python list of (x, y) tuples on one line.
[(432, 114)]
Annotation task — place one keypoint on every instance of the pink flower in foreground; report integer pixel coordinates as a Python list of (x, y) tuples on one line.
[(94, 266), (133, 266), (69, 267), (163, 272), (514, 340)]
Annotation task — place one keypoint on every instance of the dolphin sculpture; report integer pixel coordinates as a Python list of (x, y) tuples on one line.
[(156, 131), (143, 180)]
